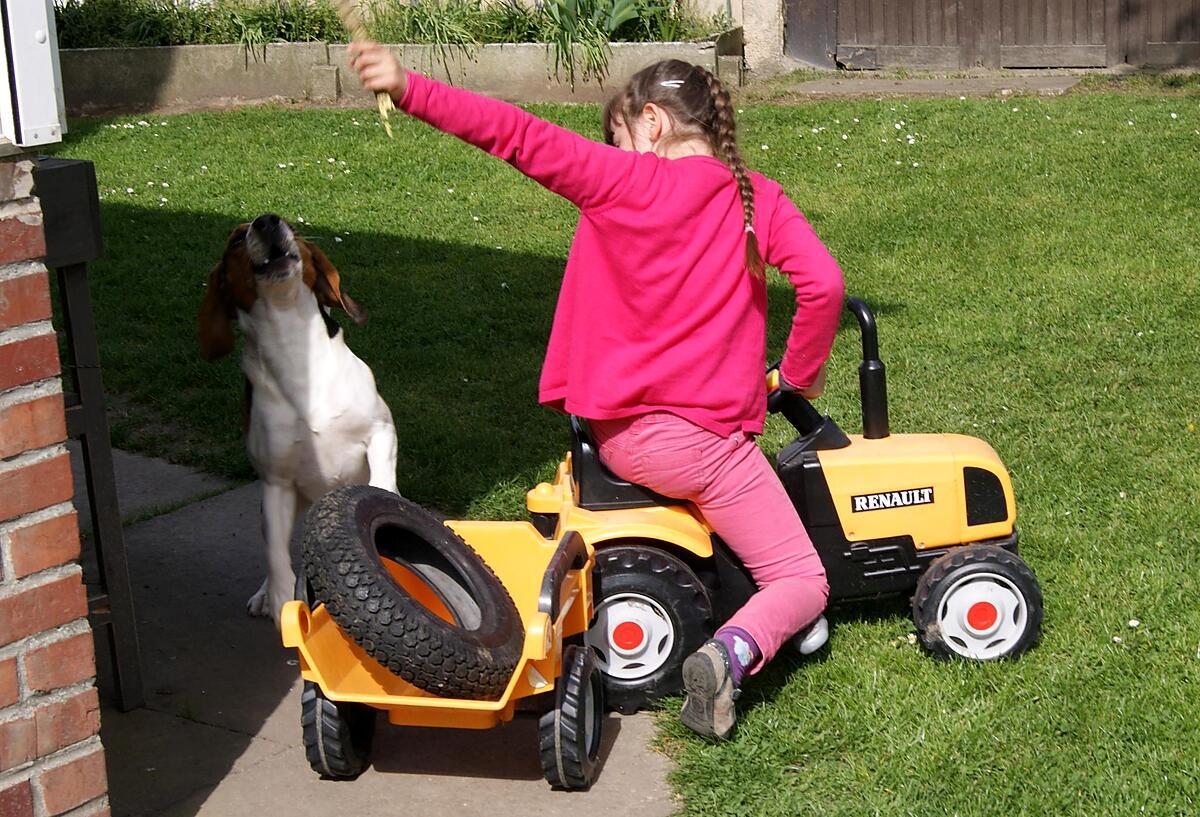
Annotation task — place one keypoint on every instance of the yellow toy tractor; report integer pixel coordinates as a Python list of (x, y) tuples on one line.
[(609, 586)]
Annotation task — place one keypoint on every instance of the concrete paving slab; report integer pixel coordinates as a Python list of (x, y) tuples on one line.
[(442, 772), (222, 727), (144, 484), (204, 658), (165, 759), (970, 87)]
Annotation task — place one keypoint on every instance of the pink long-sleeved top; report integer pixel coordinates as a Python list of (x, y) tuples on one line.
[(657, 311)]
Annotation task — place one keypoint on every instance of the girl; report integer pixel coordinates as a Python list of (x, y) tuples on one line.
[(659, 334)]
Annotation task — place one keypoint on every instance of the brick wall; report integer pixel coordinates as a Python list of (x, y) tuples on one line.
[(51, 760)]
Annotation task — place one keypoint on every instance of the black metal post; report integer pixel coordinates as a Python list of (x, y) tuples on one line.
[(71, 219), (111, 607)]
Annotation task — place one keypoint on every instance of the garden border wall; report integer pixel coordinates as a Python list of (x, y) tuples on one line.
[(189, 77)]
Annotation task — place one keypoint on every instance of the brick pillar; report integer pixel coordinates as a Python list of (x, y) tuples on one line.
[(51, 760)]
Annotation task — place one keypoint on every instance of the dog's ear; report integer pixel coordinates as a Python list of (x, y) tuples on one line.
[(216, 316), (328, 286)]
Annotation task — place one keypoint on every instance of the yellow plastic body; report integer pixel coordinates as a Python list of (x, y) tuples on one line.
[(679, 526), (519, 557), (904, 462)]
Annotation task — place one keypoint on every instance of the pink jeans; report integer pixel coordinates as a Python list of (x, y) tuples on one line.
[(741, 498)]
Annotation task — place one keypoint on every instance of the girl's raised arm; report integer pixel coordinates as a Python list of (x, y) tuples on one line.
[(795, 249), (587, 173)]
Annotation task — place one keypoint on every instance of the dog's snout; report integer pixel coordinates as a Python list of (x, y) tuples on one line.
[(267, 223), (269, 240)]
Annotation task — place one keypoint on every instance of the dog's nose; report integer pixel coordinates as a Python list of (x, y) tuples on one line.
[(266, 224)]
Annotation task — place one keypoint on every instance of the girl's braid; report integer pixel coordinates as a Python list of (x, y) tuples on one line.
[(724, 139)]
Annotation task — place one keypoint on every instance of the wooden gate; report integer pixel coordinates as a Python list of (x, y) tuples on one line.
[(959, 34)]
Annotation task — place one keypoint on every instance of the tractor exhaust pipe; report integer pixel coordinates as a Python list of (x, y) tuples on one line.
[(872, 381)]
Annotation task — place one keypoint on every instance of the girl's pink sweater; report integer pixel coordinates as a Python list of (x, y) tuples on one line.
[(657, 311)]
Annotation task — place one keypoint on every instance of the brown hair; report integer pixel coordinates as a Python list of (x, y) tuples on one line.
[(698, 105)]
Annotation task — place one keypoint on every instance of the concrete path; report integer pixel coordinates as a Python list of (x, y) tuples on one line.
[(968, 86), (144, 485), (220, 734)]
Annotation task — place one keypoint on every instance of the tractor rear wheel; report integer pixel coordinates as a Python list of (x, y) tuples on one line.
[(652, 612)]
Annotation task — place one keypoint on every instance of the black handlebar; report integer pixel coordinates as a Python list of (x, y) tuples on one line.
[(872, 384), (796, 408)]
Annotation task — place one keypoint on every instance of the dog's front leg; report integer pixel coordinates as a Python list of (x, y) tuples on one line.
[(381, 457), (279, 517)]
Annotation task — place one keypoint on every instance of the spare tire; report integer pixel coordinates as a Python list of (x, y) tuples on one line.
[(411, 593)]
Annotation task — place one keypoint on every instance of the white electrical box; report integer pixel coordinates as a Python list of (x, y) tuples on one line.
[(31, 94)]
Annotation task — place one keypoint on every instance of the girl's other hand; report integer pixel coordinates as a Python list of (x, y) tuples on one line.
[(377, 69)]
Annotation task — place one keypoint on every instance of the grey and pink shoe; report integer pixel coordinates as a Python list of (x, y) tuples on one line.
[(708, 681)]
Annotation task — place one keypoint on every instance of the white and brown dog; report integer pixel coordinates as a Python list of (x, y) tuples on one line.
[(315, 420)]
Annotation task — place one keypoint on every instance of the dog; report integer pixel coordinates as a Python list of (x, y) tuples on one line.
[(314, 419)]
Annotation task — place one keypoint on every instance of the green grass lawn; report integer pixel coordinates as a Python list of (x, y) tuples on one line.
[(1034, 268)]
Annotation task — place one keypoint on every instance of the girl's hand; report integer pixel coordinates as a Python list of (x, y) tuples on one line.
[(377, 69), (817, 388), (810, 392)]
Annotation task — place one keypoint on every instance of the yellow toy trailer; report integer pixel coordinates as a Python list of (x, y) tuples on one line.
[(415, 623), (610, 586)]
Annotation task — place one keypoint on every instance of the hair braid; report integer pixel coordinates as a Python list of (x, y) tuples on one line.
[(724, 138), (698, 105)]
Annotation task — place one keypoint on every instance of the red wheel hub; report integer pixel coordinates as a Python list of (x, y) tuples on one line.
[(982, 615), (627, 635)]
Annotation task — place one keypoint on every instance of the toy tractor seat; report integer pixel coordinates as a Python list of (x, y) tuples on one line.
[(599, 489)]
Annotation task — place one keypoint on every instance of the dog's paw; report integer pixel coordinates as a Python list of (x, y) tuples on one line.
[(260, 602)]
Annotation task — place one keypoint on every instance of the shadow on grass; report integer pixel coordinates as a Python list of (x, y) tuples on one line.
[(455, 339), (775, 677)]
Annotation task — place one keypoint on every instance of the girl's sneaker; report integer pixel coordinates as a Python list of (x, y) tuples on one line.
[(709, 709)]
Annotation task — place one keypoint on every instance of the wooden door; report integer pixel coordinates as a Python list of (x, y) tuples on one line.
[(1163, 32), (898, 34), (1053, 33)]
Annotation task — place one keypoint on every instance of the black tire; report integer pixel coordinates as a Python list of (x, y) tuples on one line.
[(569, 735), (659, 590), (978, 603), (337, 736), (349, 531)]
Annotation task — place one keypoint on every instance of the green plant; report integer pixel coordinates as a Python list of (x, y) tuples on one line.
[(250, 32), (253, 23), (510, 21), (586, 27), (577, 32)]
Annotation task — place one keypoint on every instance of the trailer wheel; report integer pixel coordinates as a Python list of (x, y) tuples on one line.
[(411, 593), (337, 736), (979, 602), (652, 612), (569, 734)]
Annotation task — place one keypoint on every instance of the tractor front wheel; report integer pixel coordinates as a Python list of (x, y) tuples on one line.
[(979, 602)]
